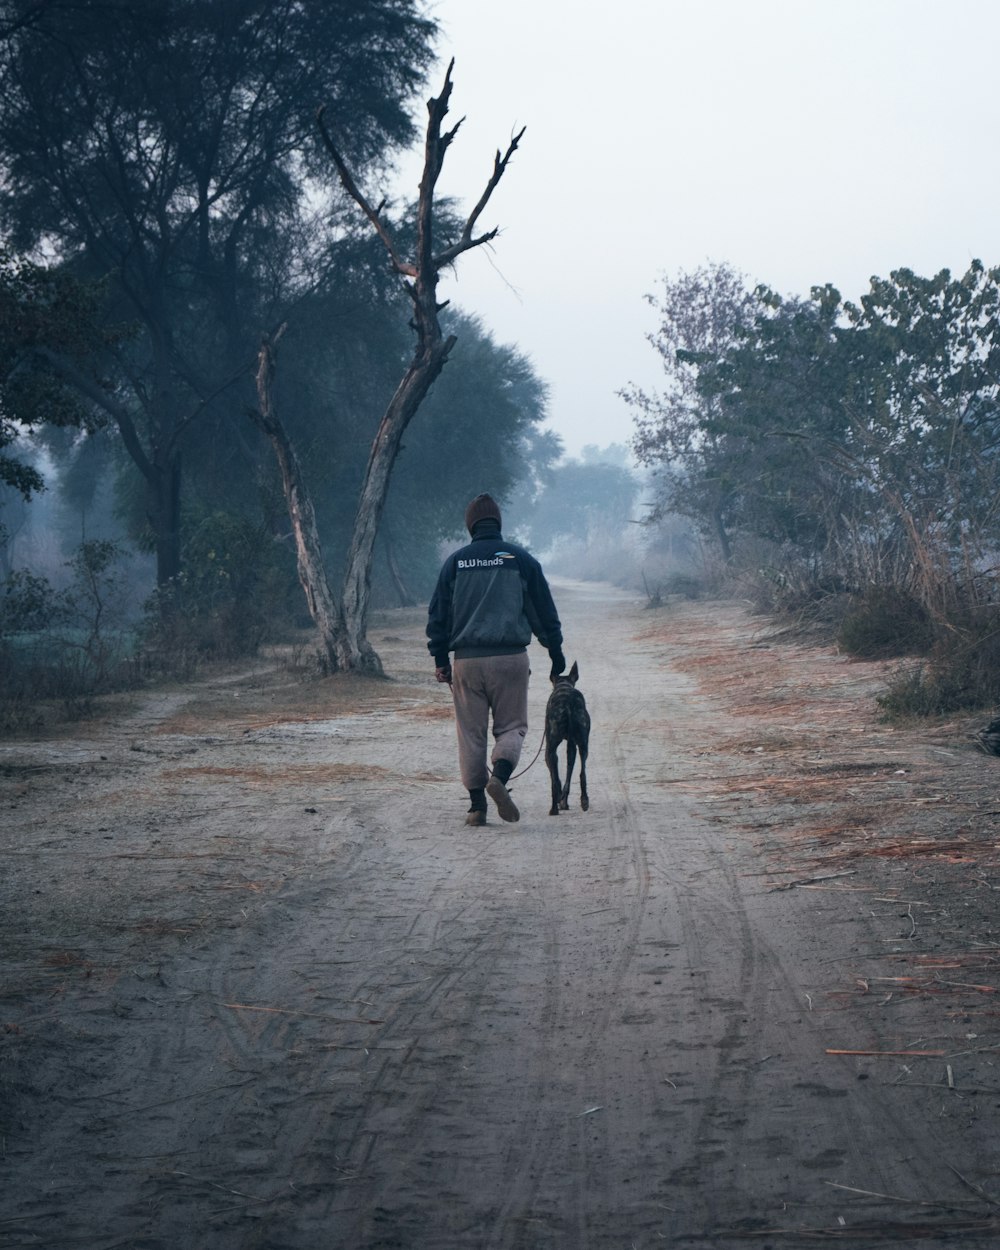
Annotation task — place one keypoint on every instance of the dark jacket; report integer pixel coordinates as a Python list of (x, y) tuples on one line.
[(491, 596)]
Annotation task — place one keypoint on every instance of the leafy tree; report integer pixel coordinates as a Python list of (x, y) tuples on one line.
[(169, 146), (41, 311), (929, 417), (858, 438), (779, 429), (702, 316)]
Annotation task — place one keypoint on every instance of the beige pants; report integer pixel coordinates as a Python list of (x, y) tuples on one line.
[(485, 684)]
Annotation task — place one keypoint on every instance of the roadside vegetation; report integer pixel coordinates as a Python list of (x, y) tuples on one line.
[(841, 463)]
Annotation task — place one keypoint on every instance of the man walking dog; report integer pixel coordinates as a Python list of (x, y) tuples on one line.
[(491, 596)]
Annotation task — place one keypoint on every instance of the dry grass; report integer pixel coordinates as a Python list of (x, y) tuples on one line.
[(288, 774), (802, 736)]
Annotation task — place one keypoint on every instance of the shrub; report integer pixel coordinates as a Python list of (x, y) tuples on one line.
[(885, 621), (228, 600), (64, 644), (962, 671)]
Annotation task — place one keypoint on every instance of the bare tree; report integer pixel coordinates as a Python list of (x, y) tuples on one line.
[(344, 628), (430, 354)]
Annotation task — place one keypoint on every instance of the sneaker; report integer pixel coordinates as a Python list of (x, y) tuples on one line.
[(500, 795), (476, 816)]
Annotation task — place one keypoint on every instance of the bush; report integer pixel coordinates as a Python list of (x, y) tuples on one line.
[(64, 644), (961, 673), (28, 604), (229, 599), (883, 622)]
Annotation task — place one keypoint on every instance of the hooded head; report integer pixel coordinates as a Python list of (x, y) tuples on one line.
[(482, 508)]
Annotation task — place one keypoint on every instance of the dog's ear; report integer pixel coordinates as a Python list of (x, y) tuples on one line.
[(574, 674)]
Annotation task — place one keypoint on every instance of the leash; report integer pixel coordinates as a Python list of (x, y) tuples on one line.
[(534, 761)]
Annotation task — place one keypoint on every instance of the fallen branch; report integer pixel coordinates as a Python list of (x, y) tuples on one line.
[(312, 1015), (872, 1193), (976, 1189), (829, 876), (915, 1054)]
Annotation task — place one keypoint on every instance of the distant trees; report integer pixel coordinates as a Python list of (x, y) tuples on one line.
[(582, 513), (584, 500)]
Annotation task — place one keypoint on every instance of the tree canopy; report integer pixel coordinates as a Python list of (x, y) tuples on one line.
[(855, 439), (42, 311), (169, 148)]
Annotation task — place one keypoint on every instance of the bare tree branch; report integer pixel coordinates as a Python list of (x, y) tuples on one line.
[(466, 242), (356, 194)]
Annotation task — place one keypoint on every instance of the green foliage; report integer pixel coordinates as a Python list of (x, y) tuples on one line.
[(828, 427), (703, 316), (29, 604), (232, 595), (859, 445), (170, 148), (42, 311)]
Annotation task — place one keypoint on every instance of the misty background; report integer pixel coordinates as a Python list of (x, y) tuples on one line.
[(737, 332)]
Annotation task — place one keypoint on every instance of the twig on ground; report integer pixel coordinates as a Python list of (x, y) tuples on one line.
[(829, 876), (872, 1193), (288, 1011), (917, 1054), (976, 1189), (225, 1188)]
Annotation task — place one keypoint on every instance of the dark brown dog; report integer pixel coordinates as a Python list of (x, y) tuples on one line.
[(567, 720)]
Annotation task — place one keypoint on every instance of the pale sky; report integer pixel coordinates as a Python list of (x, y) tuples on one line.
[(801, 141)]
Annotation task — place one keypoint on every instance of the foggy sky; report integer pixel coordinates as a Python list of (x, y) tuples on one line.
[(801, 141)]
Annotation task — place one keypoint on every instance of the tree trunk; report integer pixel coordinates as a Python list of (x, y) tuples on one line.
[(308, 550), (723, 537), (163, 487), (353, 648), (406, 599)]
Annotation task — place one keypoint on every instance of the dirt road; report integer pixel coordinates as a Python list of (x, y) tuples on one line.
[(263, 988)]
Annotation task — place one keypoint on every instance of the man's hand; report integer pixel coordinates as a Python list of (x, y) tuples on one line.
[(443, 674), (558, 663)]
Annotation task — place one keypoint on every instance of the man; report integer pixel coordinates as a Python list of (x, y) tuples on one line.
[(491, 596)]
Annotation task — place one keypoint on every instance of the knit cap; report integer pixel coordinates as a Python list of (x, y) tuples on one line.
[(481, 508)]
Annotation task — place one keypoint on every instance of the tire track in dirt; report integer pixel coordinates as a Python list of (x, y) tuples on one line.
[(585, 1032)]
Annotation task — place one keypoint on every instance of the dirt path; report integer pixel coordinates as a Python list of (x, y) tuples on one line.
[(262, 988)]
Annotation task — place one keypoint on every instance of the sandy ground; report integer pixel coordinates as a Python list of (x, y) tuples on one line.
[(262, 988)]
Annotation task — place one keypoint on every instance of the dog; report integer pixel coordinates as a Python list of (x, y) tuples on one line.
[(567, 720)]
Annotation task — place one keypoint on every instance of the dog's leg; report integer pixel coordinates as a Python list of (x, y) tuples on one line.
[(584, 800), (552, 760), (570, 762)]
